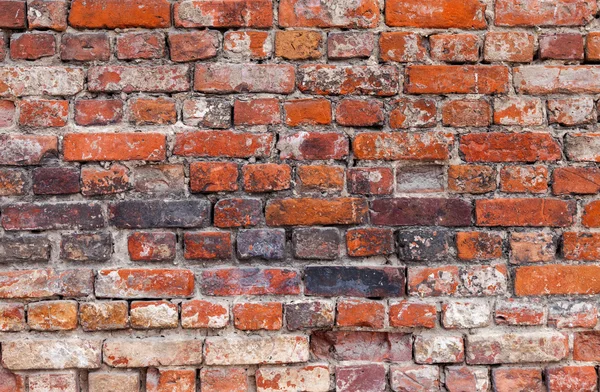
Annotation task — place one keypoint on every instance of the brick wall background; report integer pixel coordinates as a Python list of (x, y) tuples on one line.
[(299, 195)]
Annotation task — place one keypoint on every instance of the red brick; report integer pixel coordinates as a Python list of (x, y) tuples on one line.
[(13, 182), (347, 45), (518, 379), (7, 111), (258, 316), (206, 245), (144, 45), (466, 113), (455, 48), (32, 46), (591, 214), (361, 346), (509, 147), (572, 378), (445, 14), (411, 314), (430, 211), (114, 146), (365, 377), (402, 146), (47, 14), (514, 46), (251, 78), (328, 79), (213, 177), (541, 13), (246, 45), (581, 246), (307, 112), (409, 113), (42, 113), (518, 111), (576, 180), (152, 246), (586, 345), (223, 144), (198, 313), (402, 47), (98, 181), (471, 179), (524, 212), (266, 177), (261, 111), (250, 281), (360, 313), (478, 245), (55, 181), (592, 49), (367, 242), (457, 79), (98, 111), (313, 146), (467, 378), (85, 47), (115, 14), (238, 213), (336, 13), (12, 319), (561, 46), (171, 380), (130, 78), (144, 283), (52, 315), (320, 178), (309, 211), (52, 216), (229, 379), (217, 13), (557, 280), (152, 111), (298, 44), (12, 14), (370, 180), (359, 113), (514, 312), (192, 46), (524, 179)]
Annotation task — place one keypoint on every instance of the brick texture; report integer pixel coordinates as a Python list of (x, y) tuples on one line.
[(299, 195)]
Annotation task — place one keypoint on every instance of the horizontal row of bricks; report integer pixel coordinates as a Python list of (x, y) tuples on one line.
[(404, 47), (317, 79), (523, 346), (257, 179), (451, 212), (459, 14), (494, 147), (325, 281), (413, 245), (317, 377), (66, 315), (349, 112)]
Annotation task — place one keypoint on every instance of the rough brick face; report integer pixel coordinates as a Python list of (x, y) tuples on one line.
[(299, 195)]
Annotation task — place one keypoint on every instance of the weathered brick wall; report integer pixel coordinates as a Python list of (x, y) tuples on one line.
[(299, 195)]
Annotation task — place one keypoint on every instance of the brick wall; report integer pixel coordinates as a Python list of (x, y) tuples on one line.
[(299, 195)]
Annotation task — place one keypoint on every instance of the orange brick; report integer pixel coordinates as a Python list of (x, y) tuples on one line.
[(321, 178), (266, 177), (360, 313), (524, 179), (411, 314), (307, 112), (52, 315), (257, 316), (478, 245), (213, 177), (114, 146)]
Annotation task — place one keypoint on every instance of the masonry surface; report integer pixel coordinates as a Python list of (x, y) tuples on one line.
[(299, 195)]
